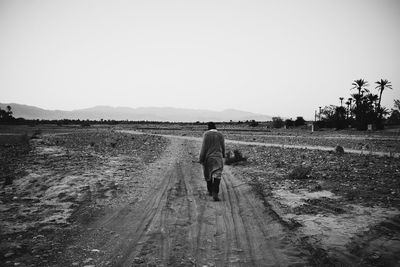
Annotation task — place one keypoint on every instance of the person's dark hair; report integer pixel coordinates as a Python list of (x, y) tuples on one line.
[(211, 125)]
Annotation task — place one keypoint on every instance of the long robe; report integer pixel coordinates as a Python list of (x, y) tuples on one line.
[(212, 153)]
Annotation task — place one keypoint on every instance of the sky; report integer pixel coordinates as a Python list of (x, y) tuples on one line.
[(274, 57)]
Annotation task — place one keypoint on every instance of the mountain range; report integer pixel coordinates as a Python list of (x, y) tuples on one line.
[(135, 114)]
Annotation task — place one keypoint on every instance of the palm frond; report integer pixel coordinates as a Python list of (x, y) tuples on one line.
[(382, 84)]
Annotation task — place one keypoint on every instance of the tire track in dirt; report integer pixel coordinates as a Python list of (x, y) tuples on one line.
[(152, 240), (180, 225), (261, 229), (158, 236), (133, 226), (238, 231), (197, 206), (121, 232)]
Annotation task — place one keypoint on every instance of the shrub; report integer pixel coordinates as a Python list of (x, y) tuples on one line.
[(339, 149), (235, 158), (299, 121), (277, 122), (289, 123), (253, 123), (300, 173)]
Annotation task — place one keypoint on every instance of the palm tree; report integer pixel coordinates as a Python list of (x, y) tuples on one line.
[(348, 103), (372, 99), (6, 114), (9, 112), (341, 101), (360, 85), (319, 116), (371, 107), (357, 99), (381, 85)]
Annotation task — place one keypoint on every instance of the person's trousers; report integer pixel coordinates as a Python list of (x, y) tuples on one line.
[(214, 182), (213, 187)]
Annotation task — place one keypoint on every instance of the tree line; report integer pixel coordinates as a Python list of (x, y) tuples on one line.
[(361, 109), (6, 115)]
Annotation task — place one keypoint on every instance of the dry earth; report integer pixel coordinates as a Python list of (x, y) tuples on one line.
[(85, 199), (179, 225), (59, 182), (104, 198), (345, 207), (386, 141)]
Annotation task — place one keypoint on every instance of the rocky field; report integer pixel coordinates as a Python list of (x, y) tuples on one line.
[(343, 206), (52, 183), (384, 141)]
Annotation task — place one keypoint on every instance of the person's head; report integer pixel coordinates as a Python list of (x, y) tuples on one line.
[(211, 125)]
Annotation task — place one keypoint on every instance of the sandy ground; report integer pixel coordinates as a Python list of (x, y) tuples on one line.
[(179, 225)]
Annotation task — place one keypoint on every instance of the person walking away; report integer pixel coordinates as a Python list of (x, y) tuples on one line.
[(211, 157)]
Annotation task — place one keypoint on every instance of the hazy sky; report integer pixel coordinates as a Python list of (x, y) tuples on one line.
[(273, 57)]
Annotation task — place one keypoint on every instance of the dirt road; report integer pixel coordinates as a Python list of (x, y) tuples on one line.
[(178, 224), (310, 147)]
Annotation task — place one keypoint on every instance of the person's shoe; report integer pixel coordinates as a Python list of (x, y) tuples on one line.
[(216, 198)]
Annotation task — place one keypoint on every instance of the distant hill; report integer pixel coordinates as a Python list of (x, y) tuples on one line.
[(127, 113)]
